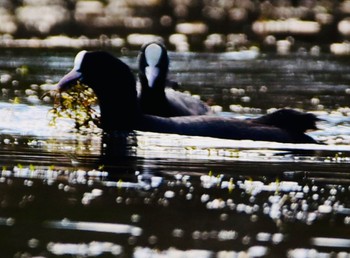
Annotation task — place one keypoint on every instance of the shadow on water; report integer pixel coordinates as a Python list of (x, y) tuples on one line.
[(141, 194)]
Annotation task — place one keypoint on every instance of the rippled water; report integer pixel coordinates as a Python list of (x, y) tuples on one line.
[(65, 194)]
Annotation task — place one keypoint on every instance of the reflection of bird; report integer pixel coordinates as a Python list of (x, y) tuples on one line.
[(115, 87), (155, 97)]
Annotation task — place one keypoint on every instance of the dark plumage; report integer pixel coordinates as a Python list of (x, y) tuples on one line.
[(289, 120), (115, 87), (155, 97)]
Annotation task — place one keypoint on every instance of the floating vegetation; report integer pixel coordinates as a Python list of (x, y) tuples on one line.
[(76, 104)]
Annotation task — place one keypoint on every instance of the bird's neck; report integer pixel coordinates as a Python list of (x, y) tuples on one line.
[(117, 113)]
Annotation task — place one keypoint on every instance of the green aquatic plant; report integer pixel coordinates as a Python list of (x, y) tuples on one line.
[(120, 183), (16, 100), (277, 182), (31, 167), (77, 104), (234, 153), (23, 70), (231, 185)]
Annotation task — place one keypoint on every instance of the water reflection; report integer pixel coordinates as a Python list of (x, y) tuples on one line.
[(173, 211)]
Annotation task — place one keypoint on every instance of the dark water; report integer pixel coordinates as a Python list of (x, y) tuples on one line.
[(65, 194)]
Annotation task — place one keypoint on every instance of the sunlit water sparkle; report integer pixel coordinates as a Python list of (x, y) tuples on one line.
[(62, 194)]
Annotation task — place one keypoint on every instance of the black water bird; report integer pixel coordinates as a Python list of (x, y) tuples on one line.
[(115, 87), (155, 97), (290, 120)]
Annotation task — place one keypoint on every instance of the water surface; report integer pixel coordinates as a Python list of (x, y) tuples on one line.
[(68, 194)]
